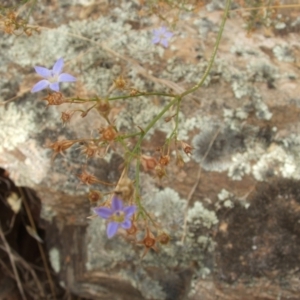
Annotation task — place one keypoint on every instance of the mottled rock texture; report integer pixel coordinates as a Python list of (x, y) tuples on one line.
[(242, 223)]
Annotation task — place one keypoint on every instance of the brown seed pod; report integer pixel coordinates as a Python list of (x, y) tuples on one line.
[(149, 242), (148, 162), (109, 133), (94, 197), (125, 188), (120, 83), (164, 160), (55, 98)]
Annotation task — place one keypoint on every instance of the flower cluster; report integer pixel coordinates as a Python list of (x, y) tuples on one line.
[(124, 211), (120, 216)]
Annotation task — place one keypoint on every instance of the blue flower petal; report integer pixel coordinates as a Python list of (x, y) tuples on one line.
[(164, 42), (163, 30), (116, 204), (44, 72), (112, 228), (65, 77), (129, 210), (54, 86), (103, 212), (168, 34), (42, 84), (126, 224), (58, 66), (155, 40)]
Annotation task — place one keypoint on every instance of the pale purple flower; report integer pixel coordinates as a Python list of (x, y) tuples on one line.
[(117, 216), (52, 78), (161, 36)]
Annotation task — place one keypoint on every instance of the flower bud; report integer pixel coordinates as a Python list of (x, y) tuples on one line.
[(55, 98), (120, 83), (186, 148), (149, 241), (94, 196), (87, 178), (28, 32), (179, 160), (103, 108), (164, 160), (61, 146), (132, 230), (148, 162), (66, 116), (163, 238), (160, 171), (108, 134), (90, 149), (125, 188)]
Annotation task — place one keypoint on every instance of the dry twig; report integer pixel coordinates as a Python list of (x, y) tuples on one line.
[(12, 261), (192, 191)]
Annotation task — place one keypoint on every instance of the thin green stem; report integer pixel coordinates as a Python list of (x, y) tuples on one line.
[(137, 179), (174, 132), (152, 123), (31, 9), (82, 100), (213, 56)]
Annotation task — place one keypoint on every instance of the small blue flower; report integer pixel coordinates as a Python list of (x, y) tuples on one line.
[(161, 36), (118, 215), (52, 78)]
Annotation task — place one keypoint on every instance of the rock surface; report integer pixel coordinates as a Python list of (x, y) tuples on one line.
[(236, 201)]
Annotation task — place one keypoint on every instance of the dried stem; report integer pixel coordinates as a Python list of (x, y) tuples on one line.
[(12, 261), (192, 191), (41, 250)]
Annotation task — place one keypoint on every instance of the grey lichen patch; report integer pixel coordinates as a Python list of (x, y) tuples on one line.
[(263, 71), (262, 110), (199, 215), (139, 112), (266, 154), (35, 51), (283, 53), (226, 200), (23, 158), (110, 253), (205, 242), (177, 71), (16, 125), (204, 26), (54, 256), (240, 87), (276, 162), (244, 50), (240, 166), (166, 207), (149, 288), (215, 5), (107, 254), (47, 213), (214, 146), (116, 34)]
